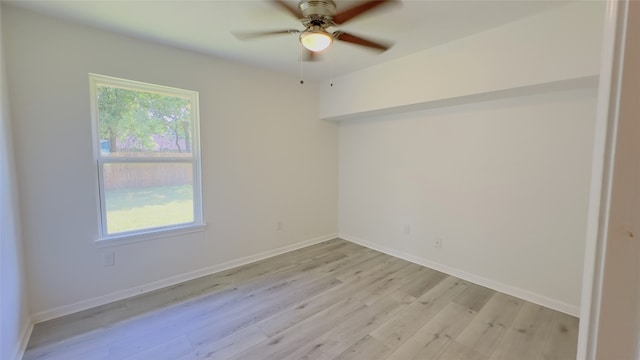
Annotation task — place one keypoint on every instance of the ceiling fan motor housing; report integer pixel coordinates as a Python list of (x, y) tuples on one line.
[(311, 8)]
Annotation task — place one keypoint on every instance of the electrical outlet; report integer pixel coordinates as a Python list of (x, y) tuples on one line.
[(437, 243), (279, 225), (109, 259)]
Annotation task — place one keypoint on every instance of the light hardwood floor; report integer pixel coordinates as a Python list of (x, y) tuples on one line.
[(334, 300)]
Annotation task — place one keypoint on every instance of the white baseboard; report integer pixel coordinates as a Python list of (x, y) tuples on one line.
[(530, 296), (137, 290), (25, 335)]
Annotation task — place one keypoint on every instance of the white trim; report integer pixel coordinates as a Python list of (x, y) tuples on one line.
[(492, 284), (129, 237), (602, 172), (145, 160), (159, 284), (140, 85), (25, 335)]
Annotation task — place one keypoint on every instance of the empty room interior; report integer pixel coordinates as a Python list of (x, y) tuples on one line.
[(421, 189)]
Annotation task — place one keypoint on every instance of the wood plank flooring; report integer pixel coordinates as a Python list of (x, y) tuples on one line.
[(334, 300)]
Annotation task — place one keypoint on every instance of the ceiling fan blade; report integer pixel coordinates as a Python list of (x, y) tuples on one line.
[(346, 37), (348, 14), (291, 10), (253, 35)]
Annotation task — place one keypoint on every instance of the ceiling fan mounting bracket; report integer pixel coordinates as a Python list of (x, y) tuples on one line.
[(317, 8)]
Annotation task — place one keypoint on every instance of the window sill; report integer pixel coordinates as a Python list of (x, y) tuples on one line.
[(120, 239)]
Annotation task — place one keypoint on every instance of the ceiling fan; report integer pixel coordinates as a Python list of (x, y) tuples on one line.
[(317, 16)]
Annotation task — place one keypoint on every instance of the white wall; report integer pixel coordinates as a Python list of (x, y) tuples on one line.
[(15, 323), (265, 157), (555, 45), (504, 183), (488, 146)]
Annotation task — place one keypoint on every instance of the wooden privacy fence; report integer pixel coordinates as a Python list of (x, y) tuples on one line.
[(137, 175)]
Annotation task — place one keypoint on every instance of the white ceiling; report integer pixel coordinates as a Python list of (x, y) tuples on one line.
[(206, 25)]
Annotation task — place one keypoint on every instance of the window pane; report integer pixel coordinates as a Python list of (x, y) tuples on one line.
[(147, 195), (138, 123)]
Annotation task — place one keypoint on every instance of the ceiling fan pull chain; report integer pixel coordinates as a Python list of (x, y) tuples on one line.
[(331, 65), (301, 65)]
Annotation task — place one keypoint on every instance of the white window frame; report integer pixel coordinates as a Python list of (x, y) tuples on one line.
[(104, 238)]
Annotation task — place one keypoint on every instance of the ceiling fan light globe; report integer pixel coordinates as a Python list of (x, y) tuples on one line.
[(315, 40)]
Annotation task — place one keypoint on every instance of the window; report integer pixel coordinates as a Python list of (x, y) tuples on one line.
[(146, 145)]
